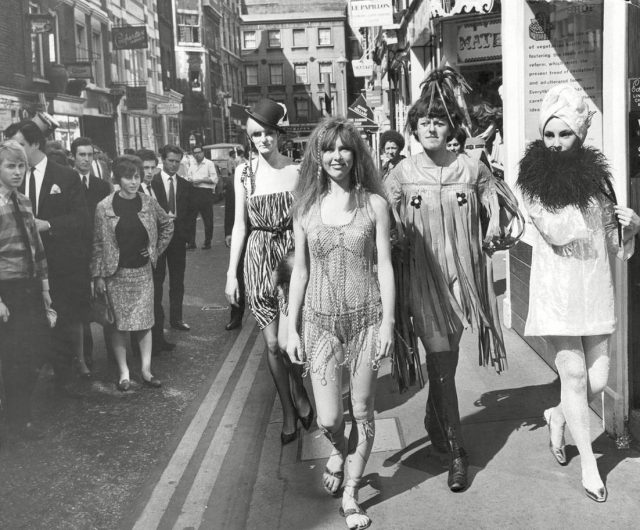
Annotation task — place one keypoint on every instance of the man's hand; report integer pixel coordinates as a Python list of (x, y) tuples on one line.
[(4, 312), (43, 226), (227, 241)]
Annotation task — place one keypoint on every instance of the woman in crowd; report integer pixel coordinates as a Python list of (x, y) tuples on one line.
[(457, 141), (391, 145), (341, 226), (264, 194), (131, 231), (439, 196), (570, 199)]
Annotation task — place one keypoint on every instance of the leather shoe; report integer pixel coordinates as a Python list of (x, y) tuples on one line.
[(206, 246), (191, 246), (154, 382), (234, 323), (599, 495), (166, 346), (457, 479), (180, 325), (124, 385)]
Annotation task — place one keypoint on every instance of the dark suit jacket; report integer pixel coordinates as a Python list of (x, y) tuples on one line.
[(67, 244), (181, 222), (98, 190)]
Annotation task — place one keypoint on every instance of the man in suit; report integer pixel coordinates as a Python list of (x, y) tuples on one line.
[(60, 208), (95, 189), (172, 192)]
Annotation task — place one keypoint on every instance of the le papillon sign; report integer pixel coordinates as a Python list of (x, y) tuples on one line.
[(129, 37)]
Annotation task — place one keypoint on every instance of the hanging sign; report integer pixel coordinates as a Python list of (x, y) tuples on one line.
[(362, 67), (129, 37), (171, 107), (40, 23), (81, 70), (360, 113), (137, 98), (634, 91), (370, 13)]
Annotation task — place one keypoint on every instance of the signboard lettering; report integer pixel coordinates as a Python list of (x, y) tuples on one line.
[(172, 107), (79, 70), (40, 23), (634, 91), (362, 67), (129, 37), (479, 41), (370, 13), (360, 113)]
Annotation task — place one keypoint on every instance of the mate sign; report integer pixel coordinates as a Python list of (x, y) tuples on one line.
[(129, 37)]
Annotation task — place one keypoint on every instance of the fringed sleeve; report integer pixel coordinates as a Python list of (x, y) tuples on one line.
[(489, 200)]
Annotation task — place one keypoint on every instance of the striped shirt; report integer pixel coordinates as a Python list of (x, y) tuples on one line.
[(14, 258)]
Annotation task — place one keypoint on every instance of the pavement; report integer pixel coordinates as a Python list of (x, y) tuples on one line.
[(229, 471)]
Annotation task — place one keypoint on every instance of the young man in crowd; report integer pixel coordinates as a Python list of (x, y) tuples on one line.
[(203, 176)]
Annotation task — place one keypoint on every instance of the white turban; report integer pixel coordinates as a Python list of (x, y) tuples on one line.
[(566, 103)]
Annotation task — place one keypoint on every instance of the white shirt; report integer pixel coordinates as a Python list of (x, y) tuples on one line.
[(165, 182), (40, 168), (204, 170), (148, 190)]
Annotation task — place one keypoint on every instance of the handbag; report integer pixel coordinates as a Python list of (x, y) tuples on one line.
[(511, 220), (102, 310)]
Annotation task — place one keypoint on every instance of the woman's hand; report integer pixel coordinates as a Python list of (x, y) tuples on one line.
[(144, 252), (232, 291), (99, 287), (386, 340), (294, 349), (629, 219), (4, 312)]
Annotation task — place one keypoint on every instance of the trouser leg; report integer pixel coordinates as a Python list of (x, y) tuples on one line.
[(176, 262), (205, 208), (159, 274)]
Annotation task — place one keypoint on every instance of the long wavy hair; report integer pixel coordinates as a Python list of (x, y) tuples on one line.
[(313, 183)]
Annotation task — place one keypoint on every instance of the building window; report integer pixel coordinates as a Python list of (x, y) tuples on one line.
[(302, 110), (275, 74), (324, 37), (300, 71), (251, 74), (326, 68), (37, 51), (98, 64), (249, 40), (299, 38), (274, 38), (188, 27), (323, 107), (82, 51)]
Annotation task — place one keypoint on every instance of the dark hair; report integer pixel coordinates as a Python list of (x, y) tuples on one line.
[(81, 141), (59, 156), (313, 184), (31, 132), (170, 148), (391, 136), (435, 109), (129, 151), (126, 166), (147, 154), (459, 135)]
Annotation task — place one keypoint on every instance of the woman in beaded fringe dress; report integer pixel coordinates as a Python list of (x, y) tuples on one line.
[(342, 269), (439, 196), (263, 194)]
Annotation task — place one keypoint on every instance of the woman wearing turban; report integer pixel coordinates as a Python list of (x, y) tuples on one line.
[(570, 200)]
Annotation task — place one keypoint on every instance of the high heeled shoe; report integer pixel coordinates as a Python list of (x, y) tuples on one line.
[(286, 438), (308, 419), (599, 495), (558, 452)]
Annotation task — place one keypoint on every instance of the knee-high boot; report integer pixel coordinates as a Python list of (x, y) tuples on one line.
[(444, 407)]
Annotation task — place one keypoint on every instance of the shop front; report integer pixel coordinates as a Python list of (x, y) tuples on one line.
[(67, 111), (98, 121), (585, 44)]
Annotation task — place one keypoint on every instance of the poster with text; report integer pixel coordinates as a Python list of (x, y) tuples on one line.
[(564, 45)]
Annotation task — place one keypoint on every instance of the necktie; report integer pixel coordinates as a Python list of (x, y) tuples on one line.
[(32, 192), (84, 181), (172, 196), (149, 190), (24, 235)]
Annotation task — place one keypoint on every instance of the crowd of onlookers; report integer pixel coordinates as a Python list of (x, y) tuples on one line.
[(85, 238)]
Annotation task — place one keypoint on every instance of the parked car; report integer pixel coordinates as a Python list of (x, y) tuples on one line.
[(219, 154)]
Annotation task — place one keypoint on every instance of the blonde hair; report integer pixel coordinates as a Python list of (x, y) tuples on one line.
[(11, 147)]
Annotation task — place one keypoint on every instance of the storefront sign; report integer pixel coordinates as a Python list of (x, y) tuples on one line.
[(137, 98), (562, 57), (79, 70), (40, 23), (634, 91), (69, 108), (362, 67), (172, 107), (479, 42), (446, 8), (105, 104), (360, 113), (370, 13), (129, 37)]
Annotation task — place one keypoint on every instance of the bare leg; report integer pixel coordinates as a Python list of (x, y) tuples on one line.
[(119, 344), (572, 368), (144, 344), (280, 376)]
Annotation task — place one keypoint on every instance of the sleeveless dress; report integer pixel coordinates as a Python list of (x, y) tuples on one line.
[(271, 237), (342, 308)]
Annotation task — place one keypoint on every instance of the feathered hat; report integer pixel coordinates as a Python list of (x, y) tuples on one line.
[(447, 86)]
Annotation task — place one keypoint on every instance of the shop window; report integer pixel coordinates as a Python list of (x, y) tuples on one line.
[(302, 109), (37, 48), (276, 74), (324, 37), (68, 130), (326, 68), (249, 40), (251, 74), (273, 36), (299, 38), (188, 27), (300, 71)]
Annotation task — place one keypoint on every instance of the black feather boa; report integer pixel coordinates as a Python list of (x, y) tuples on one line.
[(564, 178)]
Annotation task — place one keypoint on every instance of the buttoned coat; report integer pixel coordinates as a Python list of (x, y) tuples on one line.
[(106, 253)]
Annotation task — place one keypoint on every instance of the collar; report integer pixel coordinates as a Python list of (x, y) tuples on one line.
[(165, 177), (5, 192), (41, 166)]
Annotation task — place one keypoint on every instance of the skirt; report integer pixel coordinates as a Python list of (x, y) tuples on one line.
[(131, 295)]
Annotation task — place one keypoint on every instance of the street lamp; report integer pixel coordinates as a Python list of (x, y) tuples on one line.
[(228, 99), (342, 62)]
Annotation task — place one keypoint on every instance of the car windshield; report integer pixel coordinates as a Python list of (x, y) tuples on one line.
[(220, 153)]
